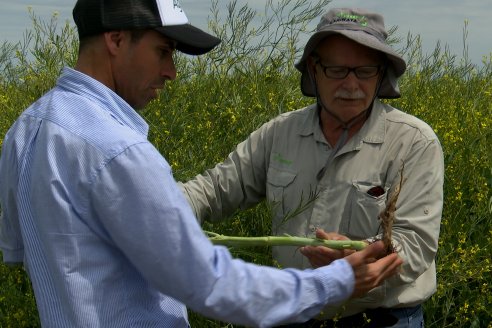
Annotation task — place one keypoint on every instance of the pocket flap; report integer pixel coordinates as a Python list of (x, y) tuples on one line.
[(280, 178)]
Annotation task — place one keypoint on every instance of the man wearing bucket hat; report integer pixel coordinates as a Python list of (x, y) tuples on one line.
[(92, 209), (339, 160)]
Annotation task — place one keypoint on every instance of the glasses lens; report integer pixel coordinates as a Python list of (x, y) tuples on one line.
[(336, 72), (341, 72), (365, 72)]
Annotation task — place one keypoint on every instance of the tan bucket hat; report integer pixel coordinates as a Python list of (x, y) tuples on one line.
[(362, 27)]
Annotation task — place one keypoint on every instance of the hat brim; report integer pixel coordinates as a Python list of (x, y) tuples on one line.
[(190, 40), (397, 65)]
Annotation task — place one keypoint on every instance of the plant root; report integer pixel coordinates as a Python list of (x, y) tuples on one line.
[(387, 216)]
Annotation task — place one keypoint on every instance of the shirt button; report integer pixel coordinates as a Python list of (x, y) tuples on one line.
[(312, 228), (426, 211)]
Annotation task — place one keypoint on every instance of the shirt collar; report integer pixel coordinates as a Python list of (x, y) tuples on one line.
[(311, 124), (373, 130), (89, 87)]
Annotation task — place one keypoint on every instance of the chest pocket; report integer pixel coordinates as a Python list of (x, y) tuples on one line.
[(365, 209), (278, 184)]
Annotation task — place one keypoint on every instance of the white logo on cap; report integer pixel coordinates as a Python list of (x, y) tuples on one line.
[(171, 12)]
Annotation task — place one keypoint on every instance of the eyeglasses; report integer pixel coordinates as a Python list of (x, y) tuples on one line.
[(341, 72)]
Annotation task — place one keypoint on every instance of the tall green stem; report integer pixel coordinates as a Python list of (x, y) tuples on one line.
[(218, 239)]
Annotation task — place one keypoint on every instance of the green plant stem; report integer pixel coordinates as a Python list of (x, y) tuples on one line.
[(218, 239)]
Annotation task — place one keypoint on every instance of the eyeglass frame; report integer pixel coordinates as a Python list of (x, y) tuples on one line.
[(349, 69)]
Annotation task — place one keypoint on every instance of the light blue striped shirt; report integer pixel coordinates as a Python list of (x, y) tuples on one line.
[(93, 211)]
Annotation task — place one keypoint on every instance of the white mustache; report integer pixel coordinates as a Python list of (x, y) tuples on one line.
[(358, 94)]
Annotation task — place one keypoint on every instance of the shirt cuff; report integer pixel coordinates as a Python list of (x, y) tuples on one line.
[(338, 280)]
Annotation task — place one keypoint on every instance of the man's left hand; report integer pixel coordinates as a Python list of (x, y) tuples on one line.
[(319, 255)]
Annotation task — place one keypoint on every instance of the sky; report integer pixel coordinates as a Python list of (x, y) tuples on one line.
[(433, 20)]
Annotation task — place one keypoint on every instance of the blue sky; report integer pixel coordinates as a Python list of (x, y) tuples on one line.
[(433, 20)]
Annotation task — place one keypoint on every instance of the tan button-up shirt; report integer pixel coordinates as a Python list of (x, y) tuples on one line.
[(281, 161)]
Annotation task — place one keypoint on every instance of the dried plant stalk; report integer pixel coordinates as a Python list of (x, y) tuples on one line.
[(387, 216)]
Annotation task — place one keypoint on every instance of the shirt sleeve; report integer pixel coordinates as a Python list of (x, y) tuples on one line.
[(237, 182), (146, 216), (11, 243), (419, 209)]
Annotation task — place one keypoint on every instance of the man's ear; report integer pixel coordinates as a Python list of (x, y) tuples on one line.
[(113, 41)]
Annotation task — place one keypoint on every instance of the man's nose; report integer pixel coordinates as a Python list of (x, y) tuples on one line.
[(351, 80), (169, 70)]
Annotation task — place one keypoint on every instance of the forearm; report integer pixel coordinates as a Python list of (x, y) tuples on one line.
[(280, 296), (236, 183)]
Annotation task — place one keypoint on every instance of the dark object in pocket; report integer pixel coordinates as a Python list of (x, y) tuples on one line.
[(376, 191)]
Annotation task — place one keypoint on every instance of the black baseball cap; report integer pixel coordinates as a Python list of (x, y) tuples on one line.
[(166, 16)]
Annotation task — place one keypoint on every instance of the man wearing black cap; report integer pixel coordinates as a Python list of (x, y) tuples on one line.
[(92, 210), (347, 151)]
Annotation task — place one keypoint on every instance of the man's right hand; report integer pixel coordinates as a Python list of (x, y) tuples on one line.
[(371, 269), (319, 255)]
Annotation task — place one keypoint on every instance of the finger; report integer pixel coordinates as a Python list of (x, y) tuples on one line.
[(320, 256), (322, 251), (383, 269), (389, 265), (391, 261), (320, 233), (370, 275), (319, 260), (368, 255), (374, 250)]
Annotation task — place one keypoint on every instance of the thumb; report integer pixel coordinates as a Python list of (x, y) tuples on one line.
[(320, 233), (372, 252)]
